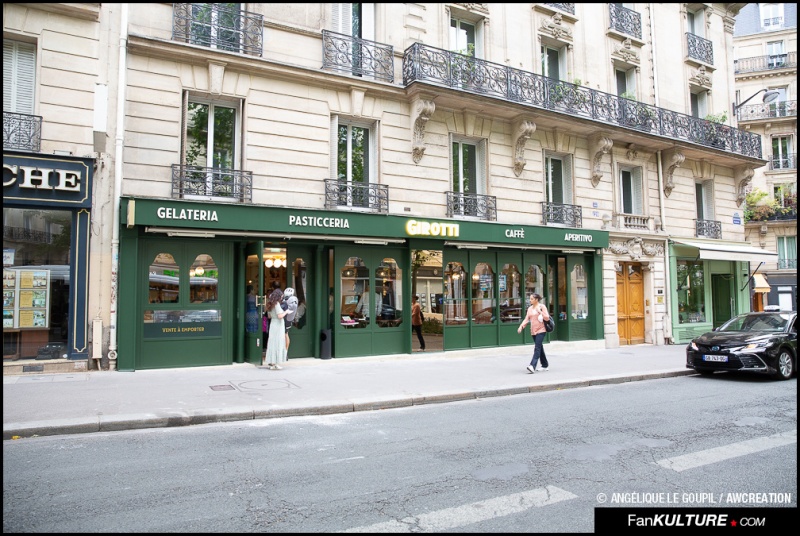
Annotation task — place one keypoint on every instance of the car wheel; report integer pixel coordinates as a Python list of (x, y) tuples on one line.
[(785, 365), (705, 372)]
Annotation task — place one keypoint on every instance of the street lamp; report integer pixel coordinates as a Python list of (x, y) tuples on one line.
[(770, 95)]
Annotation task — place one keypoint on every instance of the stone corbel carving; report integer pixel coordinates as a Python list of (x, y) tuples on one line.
[(216, 72), (625, 52), (701, 78), (523, 130), (633, 152), (423, 110), (743, 176), (673, 158), (599, 144), (554, 26)]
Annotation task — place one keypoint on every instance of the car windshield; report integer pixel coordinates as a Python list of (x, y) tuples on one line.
[(757, 322)]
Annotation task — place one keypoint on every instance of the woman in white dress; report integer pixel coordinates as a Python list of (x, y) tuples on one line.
[(276, 344)]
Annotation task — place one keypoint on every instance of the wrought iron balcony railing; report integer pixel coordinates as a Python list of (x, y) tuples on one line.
[(568, 215), (753, 112), (633, 221), (566, 8), (479, 206), (359, 57), (787, 264), (191, 181), (765, 63), (708, 228), (220, 26), (699, 48), (356, 195), (625, 20), (422, 63), (786, 161), (27, 235), (22, 132)]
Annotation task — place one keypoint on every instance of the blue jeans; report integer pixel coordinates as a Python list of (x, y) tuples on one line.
[(538, 350)]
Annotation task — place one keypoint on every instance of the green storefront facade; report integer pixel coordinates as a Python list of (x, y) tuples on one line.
[(186, 271)]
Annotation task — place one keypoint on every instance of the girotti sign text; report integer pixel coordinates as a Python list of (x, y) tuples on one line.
[(35, 179), (424, 228)]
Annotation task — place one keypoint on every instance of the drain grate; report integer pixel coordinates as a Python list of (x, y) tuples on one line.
[(222, 388), (32, 368)]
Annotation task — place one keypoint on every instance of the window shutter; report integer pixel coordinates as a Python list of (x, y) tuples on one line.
[(481, 157), (342, 18), (368, 21), (567, 181), (19, 76), (698, 197), (637, 190), (334, 146), (708, 199), (372, 164), (630, 80)]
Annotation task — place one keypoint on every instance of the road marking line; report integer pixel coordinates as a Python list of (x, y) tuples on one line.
[(459, 516), (718, 454)]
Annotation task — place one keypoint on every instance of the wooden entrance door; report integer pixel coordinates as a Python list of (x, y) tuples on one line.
[(630, 303)]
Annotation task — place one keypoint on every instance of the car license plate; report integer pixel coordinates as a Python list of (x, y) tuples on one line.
[(722, 358)]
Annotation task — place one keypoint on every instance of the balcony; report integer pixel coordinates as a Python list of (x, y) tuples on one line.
[(779, 162), (422, 63), (765, 63), (633, 221), (560, 214), (218, 26), (359, 57), (625, 21), (365, 197), (699, 49), (195, 182), (708, 229), (773, 110), (22, 132), (787, 264), (566, 8), (482, 207)]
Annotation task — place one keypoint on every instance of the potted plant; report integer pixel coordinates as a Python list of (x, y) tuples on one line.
[(715, 137)]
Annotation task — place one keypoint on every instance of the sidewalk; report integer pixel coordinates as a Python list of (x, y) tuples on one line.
[(106, 401)]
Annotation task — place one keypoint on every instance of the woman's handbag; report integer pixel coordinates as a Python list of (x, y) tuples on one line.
[(550, 325)]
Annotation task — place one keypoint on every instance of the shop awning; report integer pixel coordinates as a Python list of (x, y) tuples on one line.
[(729, 252), (760, 283)]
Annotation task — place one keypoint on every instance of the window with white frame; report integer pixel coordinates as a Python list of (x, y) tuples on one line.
[(704, 199), (698, 102), (787, 252), (211, 149), (19, 77), (468, 161), (775, 55), (631, 190), (780, 107), (771, 16), (782, 157), (217, 26), (465, 36), (695, 22), (626, 82), (355, 20), (553, 61), (354, 159), (558, 174)]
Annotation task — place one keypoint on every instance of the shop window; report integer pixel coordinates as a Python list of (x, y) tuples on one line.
[(203, 280), (483, 296), (298, 282), (426, 281), (534, 282), (562, 289), (455, 294), (164, 275), (690, 286), (389, 280), (360, 305), (580, 293), (512, 303)]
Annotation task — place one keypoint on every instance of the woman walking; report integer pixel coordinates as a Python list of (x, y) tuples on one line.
[(537, 315), (276, 343), (416, 321)]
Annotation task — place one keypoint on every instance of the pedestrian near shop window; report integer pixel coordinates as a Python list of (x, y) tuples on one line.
[(276, 344), (416, 321), (537, 315)]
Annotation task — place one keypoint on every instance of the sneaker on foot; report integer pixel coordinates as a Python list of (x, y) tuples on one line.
[(530, 369), (545, 369), (277, 367)]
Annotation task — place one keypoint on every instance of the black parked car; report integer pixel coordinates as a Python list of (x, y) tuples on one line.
[(764, 343)]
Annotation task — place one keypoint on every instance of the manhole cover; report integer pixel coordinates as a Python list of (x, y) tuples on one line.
[(222, 388)]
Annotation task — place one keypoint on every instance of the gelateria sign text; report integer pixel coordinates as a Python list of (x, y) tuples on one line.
[(58, 181), (166, 213)]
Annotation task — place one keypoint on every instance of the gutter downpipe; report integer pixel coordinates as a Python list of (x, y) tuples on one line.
[(120, 138), (666, 321)]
